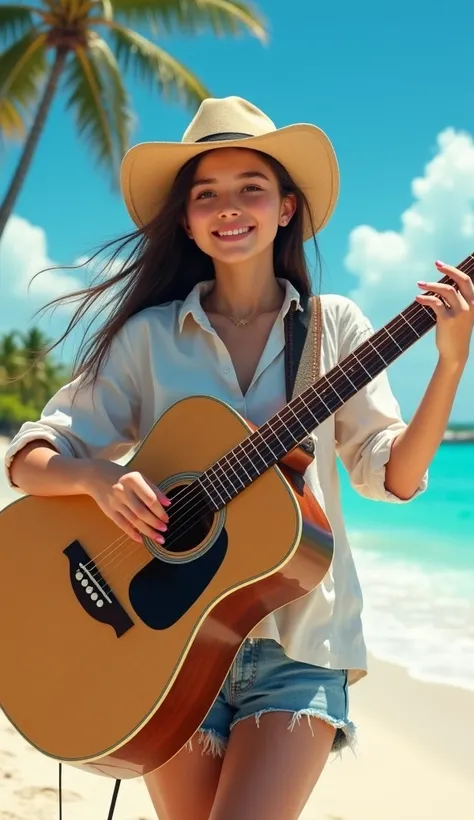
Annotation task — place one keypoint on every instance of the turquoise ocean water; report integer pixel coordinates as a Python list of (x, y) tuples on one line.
[(416, 566)]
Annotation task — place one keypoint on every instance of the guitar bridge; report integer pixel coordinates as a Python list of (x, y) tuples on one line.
[(92, 591)]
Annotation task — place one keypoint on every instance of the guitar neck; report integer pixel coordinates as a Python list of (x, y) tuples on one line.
[(291, 425)]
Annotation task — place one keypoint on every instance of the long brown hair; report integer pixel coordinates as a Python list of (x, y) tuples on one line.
[(159, 263)]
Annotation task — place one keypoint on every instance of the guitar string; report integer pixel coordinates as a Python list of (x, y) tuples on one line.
[(186, 525), (177, 533), (123, 539), (120, 557), (399, 322), (379, 349)]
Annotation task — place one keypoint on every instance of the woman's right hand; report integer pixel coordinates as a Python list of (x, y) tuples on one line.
[(128, 499)]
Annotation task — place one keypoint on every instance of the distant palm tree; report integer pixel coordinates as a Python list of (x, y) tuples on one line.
[(27, 375), (34, 382), (53, 40), (12, 360)]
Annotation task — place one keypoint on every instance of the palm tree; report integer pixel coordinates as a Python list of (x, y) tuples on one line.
[(12, 359), (33, 384), (26, 372), (63, 40)]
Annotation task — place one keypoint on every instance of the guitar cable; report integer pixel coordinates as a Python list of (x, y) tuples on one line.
[(60, 794)]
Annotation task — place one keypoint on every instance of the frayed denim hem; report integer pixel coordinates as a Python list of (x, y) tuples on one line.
[(346, 732), (212, 743)]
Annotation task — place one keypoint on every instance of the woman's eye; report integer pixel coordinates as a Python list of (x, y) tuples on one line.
[(248, 189)]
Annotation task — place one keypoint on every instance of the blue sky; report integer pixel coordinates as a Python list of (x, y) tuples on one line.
[(392, 86)]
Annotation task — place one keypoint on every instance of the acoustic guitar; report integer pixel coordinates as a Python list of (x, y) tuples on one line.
[(113, 651)]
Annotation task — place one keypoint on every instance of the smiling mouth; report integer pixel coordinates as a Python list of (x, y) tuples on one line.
[(237, 233)]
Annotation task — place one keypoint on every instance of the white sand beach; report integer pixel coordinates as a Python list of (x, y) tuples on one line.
[(415, 760)]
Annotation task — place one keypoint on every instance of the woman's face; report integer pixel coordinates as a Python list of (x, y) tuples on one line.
[(234, 207)]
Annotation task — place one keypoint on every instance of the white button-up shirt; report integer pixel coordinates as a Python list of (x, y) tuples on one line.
[(170, 352)]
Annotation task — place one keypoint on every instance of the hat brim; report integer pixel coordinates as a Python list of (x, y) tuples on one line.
[(149, 169)]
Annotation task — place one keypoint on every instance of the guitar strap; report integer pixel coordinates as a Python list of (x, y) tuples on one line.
[(303, 330), (60, 795), (303, 334)]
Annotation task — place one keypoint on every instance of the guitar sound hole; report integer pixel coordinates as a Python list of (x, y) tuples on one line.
[(183, 534)]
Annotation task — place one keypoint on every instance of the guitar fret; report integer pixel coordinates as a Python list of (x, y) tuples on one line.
[(322, 402), (261, 436), (306, 406), (327, 385), (227, 460), (393, 339), (426, 310), (275, 442), (221, 487), (218, 466), (255, 448), (235, 469), (358, 360), (276, 435), (409, 325), (209, 495), (343, 371), (374, 347), (336, 392), (252, 443), (242, 465), (295, 439)]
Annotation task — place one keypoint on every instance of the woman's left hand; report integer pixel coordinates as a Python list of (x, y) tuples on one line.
[(454, 313)]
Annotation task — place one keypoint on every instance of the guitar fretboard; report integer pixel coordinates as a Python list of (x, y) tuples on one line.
[(290, 426)]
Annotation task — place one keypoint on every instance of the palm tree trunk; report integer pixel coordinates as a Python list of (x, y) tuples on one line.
[(32, 139)]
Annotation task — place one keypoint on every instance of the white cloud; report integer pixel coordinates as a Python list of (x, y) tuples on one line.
[(439, 224), (23, 254)]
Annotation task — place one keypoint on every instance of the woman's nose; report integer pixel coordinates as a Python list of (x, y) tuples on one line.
[(229, 210)]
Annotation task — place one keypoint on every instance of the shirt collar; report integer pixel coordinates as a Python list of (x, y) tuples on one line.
[(192, 304)]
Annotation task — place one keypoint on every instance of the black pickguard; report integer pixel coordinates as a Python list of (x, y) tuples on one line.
[(161, 593)]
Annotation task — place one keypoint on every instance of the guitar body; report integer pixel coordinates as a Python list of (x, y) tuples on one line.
[(119, 687)]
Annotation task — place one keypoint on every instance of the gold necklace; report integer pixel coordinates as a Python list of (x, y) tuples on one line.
[(245, 321)]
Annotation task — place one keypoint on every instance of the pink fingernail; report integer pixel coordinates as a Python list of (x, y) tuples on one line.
[(440, 264)]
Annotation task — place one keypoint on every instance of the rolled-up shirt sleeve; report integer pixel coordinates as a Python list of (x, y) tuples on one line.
[(369, 422), (89, 421)]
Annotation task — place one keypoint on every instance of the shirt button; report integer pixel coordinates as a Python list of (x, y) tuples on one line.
[(226, 369)]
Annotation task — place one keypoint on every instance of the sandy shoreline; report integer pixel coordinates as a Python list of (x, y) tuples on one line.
[(414, 760)]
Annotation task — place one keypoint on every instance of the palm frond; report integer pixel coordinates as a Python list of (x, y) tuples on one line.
[(156, 68), (193, 16), (23, 68), (12, 123), (115, 94), (99, 101), (14, 22), (106, 8)]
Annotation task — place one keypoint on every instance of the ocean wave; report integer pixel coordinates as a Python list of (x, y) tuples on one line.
[(418, 616)]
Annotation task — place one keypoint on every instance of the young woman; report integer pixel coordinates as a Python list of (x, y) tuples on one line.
[(198, 307)]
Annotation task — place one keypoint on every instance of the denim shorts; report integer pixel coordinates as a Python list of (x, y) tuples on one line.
[(264, 679)]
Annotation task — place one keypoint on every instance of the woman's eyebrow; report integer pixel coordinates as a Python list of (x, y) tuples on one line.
[(243, 175)]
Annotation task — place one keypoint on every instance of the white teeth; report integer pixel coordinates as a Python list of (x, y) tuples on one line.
[(233, 233)]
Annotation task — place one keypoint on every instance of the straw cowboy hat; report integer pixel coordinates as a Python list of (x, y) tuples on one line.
[(149, 169)]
